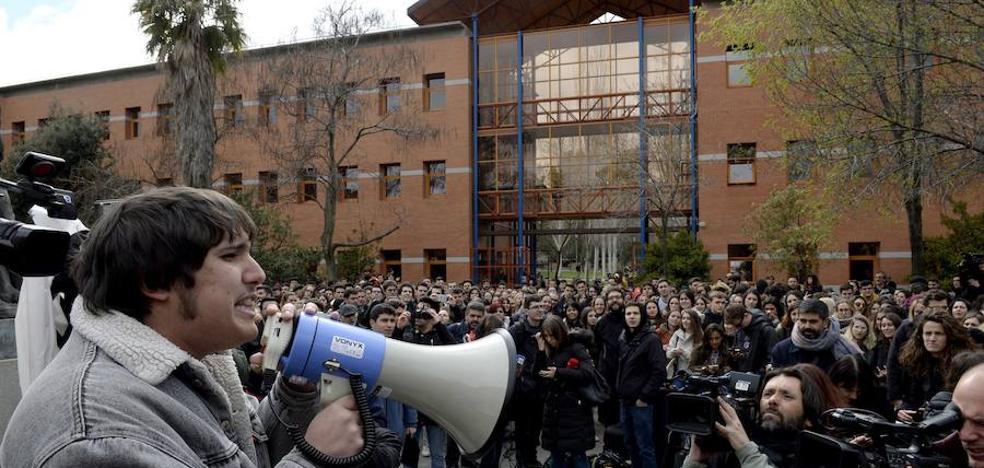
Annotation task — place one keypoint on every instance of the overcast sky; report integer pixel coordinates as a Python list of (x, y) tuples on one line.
[(47, 39)]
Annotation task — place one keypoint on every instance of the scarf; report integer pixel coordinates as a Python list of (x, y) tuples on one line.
[(830, 339)]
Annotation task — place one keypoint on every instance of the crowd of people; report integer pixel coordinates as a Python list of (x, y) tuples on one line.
[(867, 344)]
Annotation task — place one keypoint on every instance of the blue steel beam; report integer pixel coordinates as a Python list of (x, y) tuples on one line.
[(694, 215)]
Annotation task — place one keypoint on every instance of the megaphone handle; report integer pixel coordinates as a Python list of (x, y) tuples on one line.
[(368, 433), (333, 388)]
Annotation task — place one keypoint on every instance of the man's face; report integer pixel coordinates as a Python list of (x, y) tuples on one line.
[(811, 325), (473, 318), (581, 288), (218, 312), (936, 306), (615, 300), (339, 293), (968, 397), (389, 291), (406, 294), (421, 292), (663, 288), (360, 298), (535, 312), (260, 294), (933, 284), (384, 325), (781, 406), (792, 282), (867, 291), (717, 305), (633, 317), (377, 294)]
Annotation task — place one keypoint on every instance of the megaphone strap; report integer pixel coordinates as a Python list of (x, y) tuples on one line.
[(368, 433)]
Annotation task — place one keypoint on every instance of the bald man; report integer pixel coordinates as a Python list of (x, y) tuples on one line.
[(970, 399)]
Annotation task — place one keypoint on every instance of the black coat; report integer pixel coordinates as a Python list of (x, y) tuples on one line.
[(641, 366), (529, 385), (894, 382), (568, 422), (917, 390), (756, 340), (606, 333)]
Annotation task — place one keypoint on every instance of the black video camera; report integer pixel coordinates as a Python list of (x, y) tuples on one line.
[(693, 407), (32, 250), (893, 444)]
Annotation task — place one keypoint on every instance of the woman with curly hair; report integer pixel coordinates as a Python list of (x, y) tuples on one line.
[(925, 358)]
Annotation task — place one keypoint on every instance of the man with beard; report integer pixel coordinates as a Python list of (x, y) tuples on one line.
[(790, 403), (607, 331), (815, 339), (465, 330)]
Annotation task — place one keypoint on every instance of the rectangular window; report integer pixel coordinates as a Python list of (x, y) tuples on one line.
[(741, 260), (351, 108), (233, 112), (435, 178), (132, 122), (863, 259), (799, 159), (307, 188), (390, 180), (434, 95), (741, 163), (269, 187), (436, 263), (350, 182), (43, 122), (389, 95), (736, 56), (18, 131), (392, 263), (103, 117), (306, 106), (233, 183), (165, 118), (267, 109)]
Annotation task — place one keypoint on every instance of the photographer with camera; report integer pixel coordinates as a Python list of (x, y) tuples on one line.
[(753, 339), (790, 402)]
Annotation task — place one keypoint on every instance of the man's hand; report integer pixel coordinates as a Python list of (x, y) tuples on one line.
[(403, 320), (732, 429), (696, 453), (906, 416), (549, 373), (336, 430)]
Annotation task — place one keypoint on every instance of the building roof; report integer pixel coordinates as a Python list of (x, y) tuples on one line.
[(505, 16)]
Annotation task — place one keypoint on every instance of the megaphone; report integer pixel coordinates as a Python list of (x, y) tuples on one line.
[(463, 387)]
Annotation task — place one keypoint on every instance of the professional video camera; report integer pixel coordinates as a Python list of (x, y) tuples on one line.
[(893, 444), (32, 250), (693, 408)]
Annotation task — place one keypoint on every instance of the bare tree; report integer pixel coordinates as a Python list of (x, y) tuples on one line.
[(667, 177), (328, 89)]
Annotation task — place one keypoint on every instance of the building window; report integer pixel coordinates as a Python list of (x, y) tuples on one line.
[(306, 108), (436, 263), (741, 260), (165, 118), (392, 263), (863, 259), (389, 95), (434, 95), (350, 182), (103, 117), (233, 183), (799, 159), (43, 122), (307, 188), (165, 182), (390, 174), (18, 131), (132, 122), (741, 163), (233, 111), (267, 109), (735, 57), (269, 187), (435, 178), (351, 108)]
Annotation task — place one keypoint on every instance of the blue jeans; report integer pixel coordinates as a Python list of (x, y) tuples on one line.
[(637, 425), (437, 440), (568, 459)]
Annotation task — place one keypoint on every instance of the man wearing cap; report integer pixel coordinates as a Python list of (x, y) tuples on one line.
[(815, 339), (348, 314)]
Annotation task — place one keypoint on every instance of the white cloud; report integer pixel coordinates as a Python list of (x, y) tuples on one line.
[(83, 36)]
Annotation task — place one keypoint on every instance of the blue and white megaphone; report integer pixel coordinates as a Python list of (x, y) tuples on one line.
[(464, 387)]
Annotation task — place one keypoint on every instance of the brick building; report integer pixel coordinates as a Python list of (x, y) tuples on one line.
[(545, 118)]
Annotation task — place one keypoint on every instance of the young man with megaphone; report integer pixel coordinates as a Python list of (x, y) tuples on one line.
[(166, 287)]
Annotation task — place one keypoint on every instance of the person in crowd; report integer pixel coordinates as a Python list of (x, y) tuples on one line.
[(146, 377), (815, 339), (664, 291), (754, 337), (641, 373), (751, 300), (572, 316), (653, 314), (926, 356), (934, 301), (700, 304), (959, 309), (686, 298), (665, 330), (973, 321), (878, 357), (348, 314), (832, 396), (860, 306), (400, 419), (860, 334), (772, 308), (467, 329), (844, 312), (529, 390), (867, 290), (715, 308), (812, 284), (598, 304), (901, 297), (857, 384), (969, 399), (674, 304), (711, 354), (790, 402), (790, 301), (682, 343), (568, 420)]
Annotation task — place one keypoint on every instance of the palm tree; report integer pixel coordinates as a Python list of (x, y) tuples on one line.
[(190, 37)]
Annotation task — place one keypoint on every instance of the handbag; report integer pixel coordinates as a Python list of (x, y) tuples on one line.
[(597, 391)]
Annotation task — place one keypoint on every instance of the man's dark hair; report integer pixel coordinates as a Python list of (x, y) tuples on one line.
[(475, 305), (960, 364), (813, 402), (735, 313), (531, 298), (152, 241), (935, 295), (382, 308), (814, 306), (864, 283)]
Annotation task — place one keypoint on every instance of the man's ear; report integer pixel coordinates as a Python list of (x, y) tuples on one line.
[(159, 295)]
